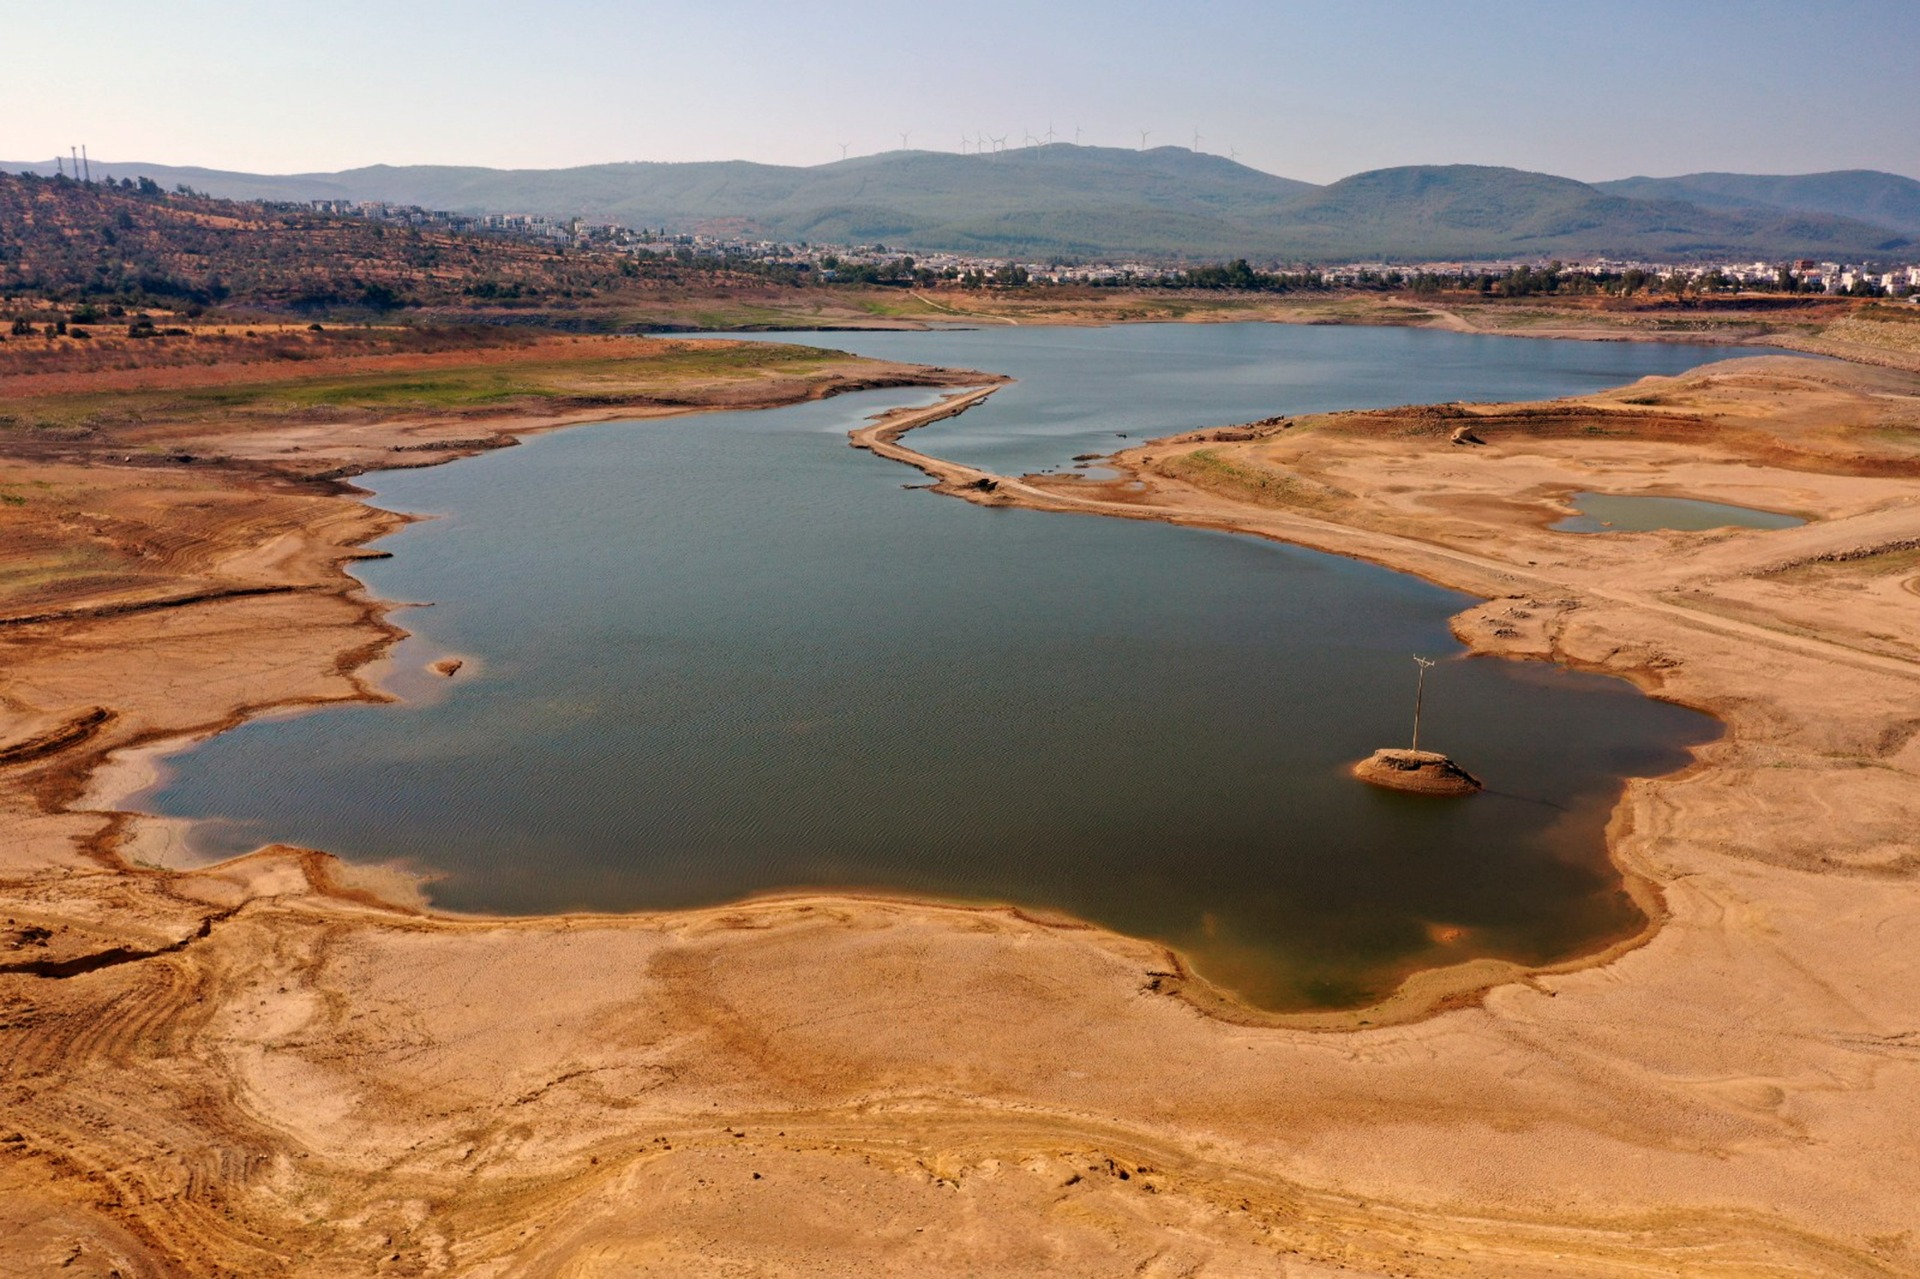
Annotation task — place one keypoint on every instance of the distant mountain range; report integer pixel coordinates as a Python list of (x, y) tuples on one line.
[(1168, 202), (1883, 199)]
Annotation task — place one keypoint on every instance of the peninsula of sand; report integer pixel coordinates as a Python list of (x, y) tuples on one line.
[(277, 1066)]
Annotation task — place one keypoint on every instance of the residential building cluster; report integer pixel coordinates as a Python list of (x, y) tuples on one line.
[(1805, 274), (837, 261)]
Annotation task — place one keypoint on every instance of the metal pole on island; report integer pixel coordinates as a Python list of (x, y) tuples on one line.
[(1419, 695), (1420, 772)]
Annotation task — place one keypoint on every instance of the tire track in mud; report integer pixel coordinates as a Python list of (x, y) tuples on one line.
[(115, 1099)]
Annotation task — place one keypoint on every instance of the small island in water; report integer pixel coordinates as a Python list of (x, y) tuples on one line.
[(1422, 772)]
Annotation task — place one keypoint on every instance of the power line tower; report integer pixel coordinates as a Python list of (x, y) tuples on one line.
[(1419, 695)]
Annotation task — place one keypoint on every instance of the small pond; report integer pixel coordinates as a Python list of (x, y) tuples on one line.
[(1625, 513)]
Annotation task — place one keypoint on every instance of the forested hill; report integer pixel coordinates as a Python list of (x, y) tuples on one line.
[(1083, 200), (139, 245), (1167, 202), (1885, 199), (1469, 211)]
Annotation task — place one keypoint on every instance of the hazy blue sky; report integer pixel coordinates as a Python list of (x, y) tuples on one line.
[(1311, 90)]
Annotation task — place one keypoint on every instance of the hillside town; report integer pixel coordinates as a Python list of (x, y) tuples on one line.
[(881, 263)]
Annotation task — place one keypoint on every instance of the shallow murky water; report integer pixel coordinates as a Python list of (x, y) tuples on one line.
[(1631, 513)]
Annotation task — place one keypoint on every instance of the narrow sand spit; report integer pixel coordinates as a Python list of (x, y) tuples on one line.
[(264, 1067)]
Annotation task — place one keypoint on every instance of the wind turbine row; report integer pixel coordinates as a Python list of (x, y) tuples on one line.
[(989, 144)]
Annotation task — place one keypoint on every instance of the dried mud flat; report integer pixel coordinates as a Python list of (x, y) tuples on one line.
[(267, 1067)]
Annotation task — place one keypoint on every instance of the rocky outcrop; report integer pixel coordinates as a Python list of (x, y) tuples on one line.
[(1422, 772)]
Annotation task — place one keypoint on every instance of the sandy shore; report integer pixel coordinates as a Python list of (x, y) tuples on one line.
[(269, 1067)]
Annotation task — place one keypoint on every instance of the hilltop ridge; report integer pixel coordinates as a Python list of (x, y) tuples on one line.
[(1885, 199), (1163, 202)]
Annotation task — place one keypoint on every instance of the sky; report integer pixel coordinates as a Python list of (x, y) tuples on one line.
[(1310, 90)]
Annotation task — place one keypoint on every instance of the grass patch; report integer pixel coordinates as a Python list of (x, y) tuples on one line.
[(1214, 471), (1880, 331), (453, 389), (1880, 314), (1892, 563), (743, 315), (903, 306), (69, 568)]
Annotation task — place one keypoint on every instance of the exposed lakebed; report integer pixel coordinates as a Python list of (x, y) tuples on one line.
[(726, 654)]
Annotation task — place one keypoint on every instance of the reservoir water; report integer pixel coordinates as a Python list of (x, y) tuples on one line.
[(1079, 389), (726, 654)]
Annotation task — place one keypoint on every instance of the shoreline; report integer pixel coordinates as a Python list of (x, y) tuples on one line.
[(320, 538), (1730, 1079), (158, 842), (1424, 991), (134, 838)]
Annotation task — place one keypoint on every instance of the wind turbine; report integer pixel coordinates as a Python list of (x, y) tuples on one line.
[(1196, 140), (1144, 135), (1076, 133), (1233, 154), (843, 149), (1000, 143), (903, 139), (1049, 133)]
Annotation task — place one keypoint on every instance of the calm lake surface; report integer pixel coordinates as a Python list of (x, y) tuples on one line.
[(1633, 513), (727, 654), (1080, 388)]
